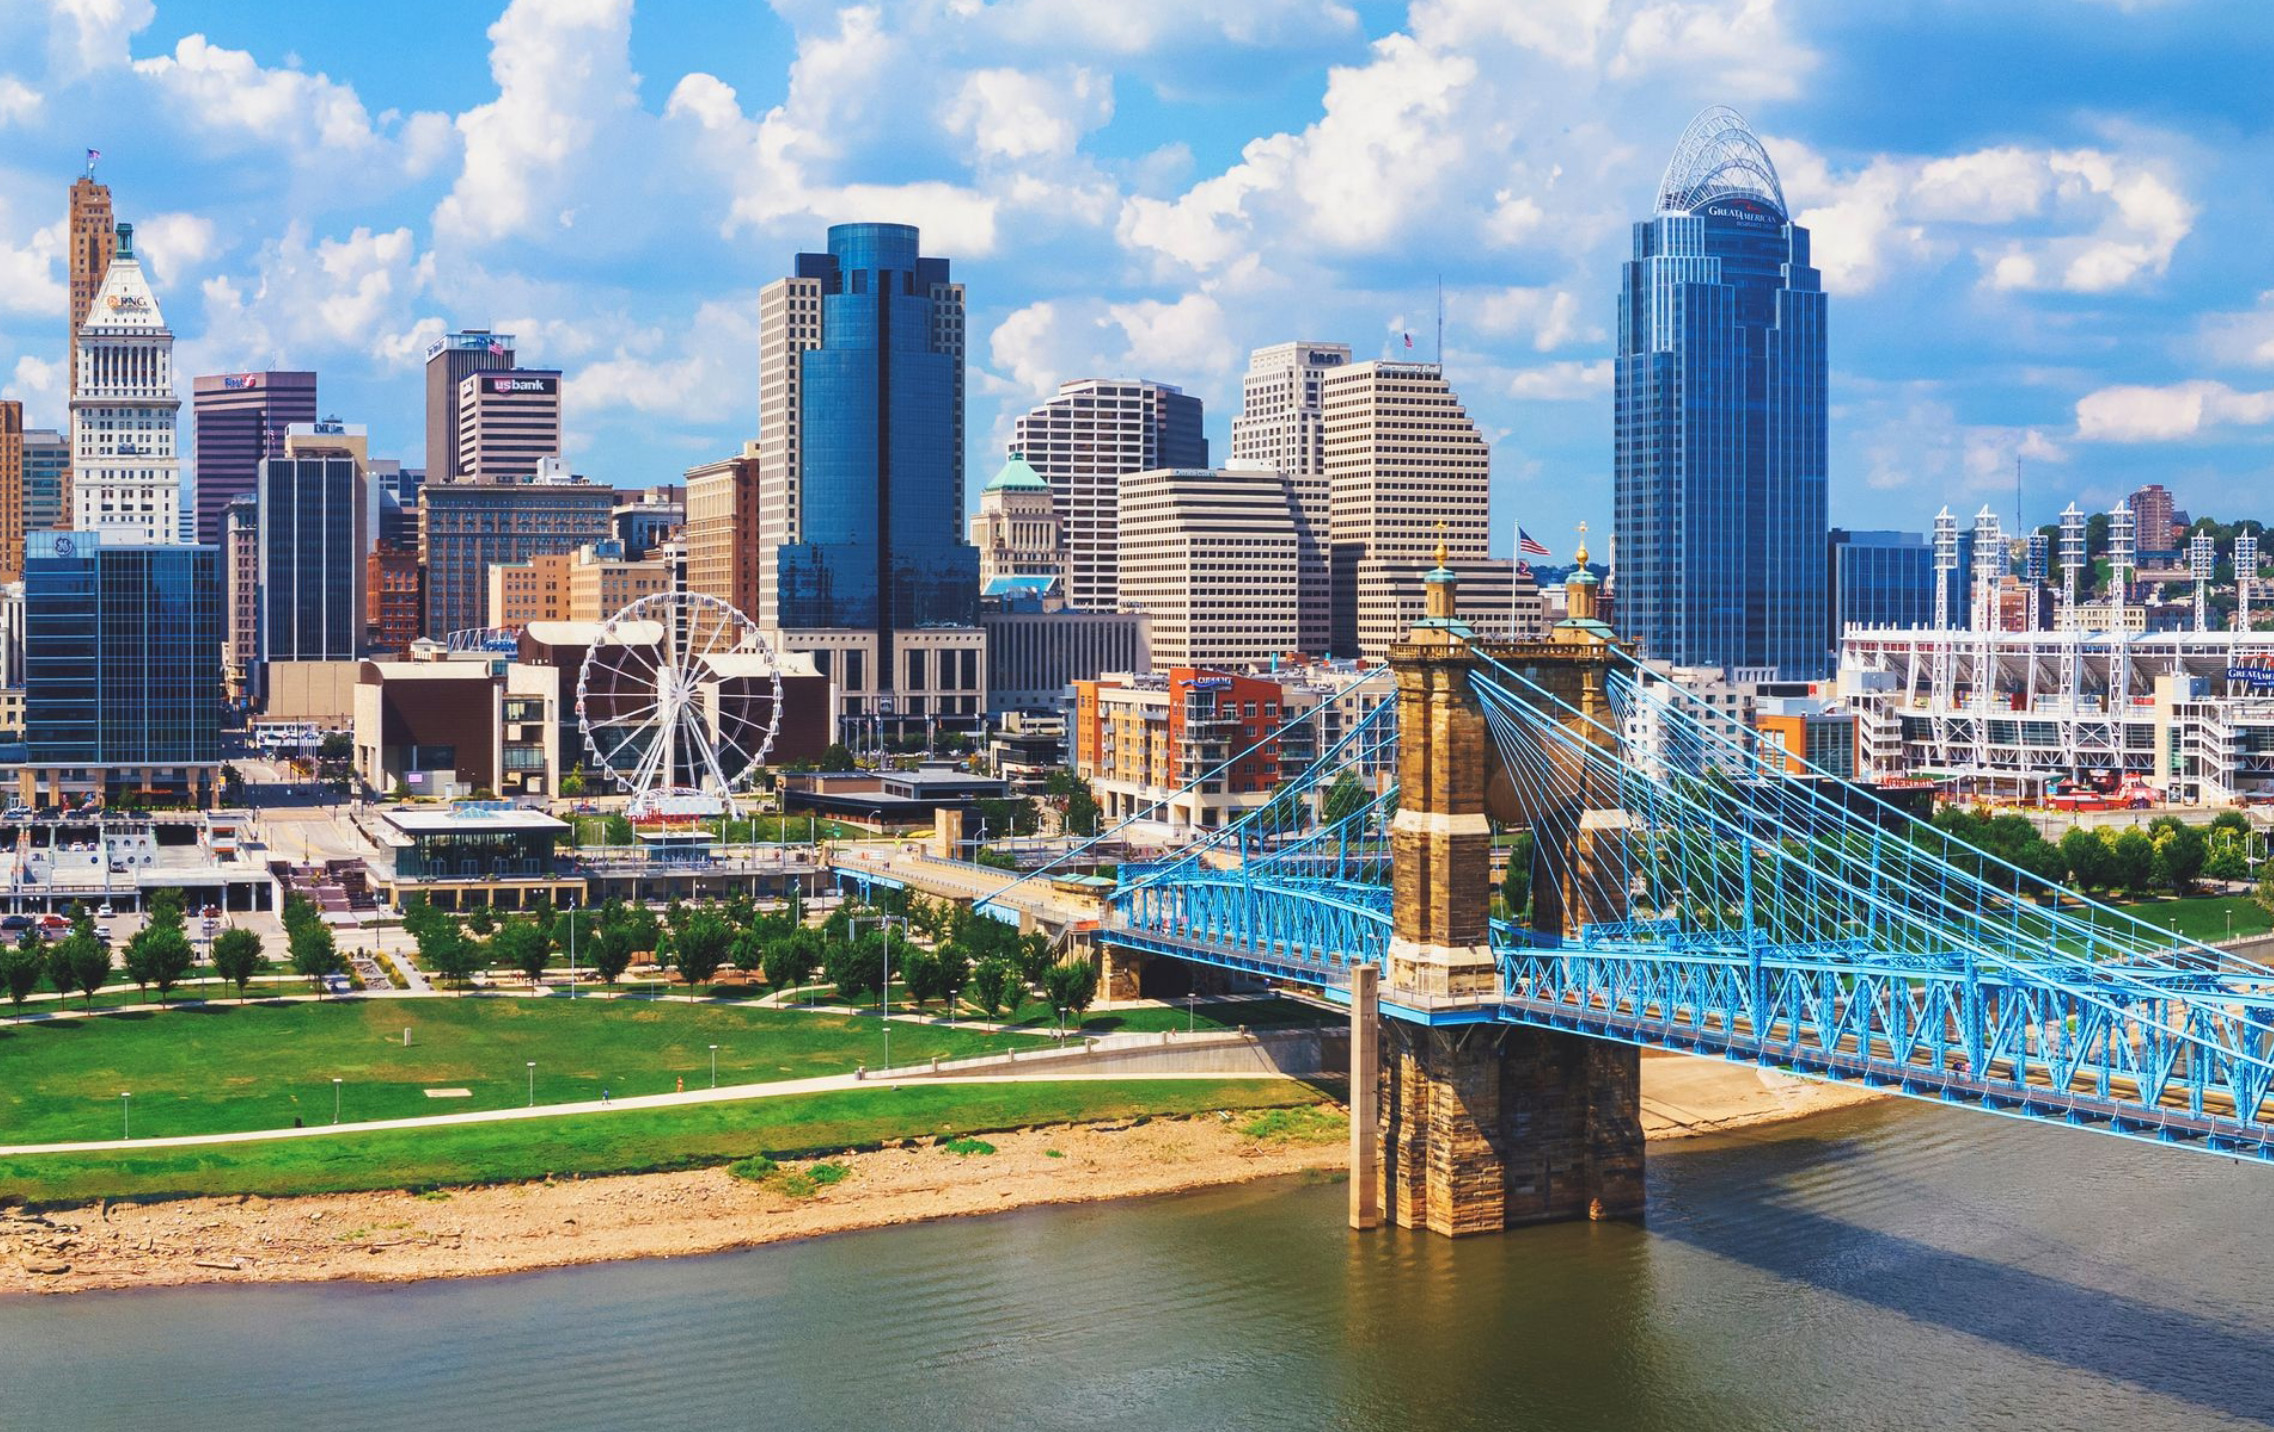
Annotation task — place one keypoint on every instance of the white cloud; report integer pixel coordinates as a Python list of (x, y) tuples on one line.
[(37, 383), (1549, 317), (18, 101), (309, 300), (1023, 114), (173, 246), (1563, 382), (2090, 221), (708, 374), (1049, 342), (2131, 413), (1744, 45), (228, 96), (83, 36), (563, 71), (1131, 30), (1908, 438), (30, 282)]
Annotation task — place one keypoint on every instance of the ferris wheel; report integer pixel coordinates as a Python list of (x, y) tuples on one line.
[(679, 699)]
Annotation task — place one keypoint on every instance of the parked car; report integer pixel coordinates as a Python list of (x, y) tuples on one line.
[(103, 933), (105, 911), (53, 921), (210, 912), (16, 924)]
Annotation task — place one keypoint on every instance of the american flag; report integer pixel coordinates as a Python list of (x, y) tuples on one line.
[(1529, 545), (1409, 340)]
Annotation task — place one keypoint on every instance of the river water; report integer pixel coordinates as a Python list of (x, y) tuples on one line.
[(1889, 1267)]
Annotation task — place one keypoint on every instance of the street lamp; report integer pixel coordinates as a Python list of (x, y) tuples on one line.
[(1191, 1010), (714, 1066), (125, 1114), (335, 1098), (532, 1083)]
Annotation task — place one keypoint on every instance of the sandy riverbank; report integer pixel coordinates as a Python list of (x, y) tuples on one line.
[(402, 1237)]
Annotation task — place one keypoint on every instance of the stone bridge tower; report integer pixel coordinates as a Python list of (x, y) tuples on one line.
[(1461, 1124)]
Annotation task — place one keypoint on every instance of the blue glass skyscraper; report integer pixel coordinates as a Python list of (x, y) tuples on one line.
[(1719, 448), (880, 533), (1880, 579)]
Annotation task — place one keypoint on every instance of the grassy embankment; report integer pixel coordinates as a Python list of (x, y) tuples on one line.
[(224, 1067), (634, 1141)]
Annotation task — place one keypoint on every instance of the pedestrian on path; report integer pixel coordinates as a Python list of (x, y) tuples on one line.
[(603, 1098)]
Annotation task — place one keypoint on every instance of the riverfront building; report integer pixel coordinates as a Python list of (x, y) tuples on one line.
[(122, 670), (126, 469), (1720, 402), (863, 563), (1083, 442), (1210, 557)]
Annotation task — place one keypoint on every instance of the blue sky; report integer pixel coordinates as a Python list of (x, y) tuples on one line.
[(2043, 222)]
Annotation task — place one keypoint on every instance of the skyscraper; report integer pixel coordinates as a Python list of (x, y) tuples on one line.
[(1406, 470), (92, 243), (1209, 557), (240, 576), (314, 535), (465, 528), (240, 418), (863, 495), (126, 471), (509, 421), (1083, 442), (47, 479), (1879, 579), (722, 530), (1282, 425), (11, 490), (122, 669), (1719, 441), (448, 361)]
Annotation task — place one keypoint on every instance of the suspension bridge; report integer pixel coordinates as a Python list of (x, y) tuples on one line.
[(1693, 887)]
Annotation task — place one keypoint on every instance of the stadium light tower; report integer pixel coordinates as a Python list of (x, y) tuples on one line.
[(2202, 560), (1989, 568), (2072, 562), (2123, 558), (2246, 576), (1945, 563)]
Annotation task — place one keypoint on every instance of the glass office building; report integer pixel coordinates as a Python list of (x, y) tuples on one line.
[(881, 538), (1880, 579), (313, 521), (122, 666), (1719, 446)]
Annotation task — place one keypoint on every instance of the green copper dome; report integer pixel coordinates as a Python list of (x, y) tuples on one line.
[(1017, 475)]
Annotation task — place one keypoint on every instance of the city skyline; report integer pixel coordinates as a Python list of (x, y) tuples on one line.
[(2038, 272)]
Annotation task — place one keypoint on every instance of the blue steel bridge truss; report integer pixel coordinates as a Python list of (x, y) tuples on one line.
[(1764, 913)]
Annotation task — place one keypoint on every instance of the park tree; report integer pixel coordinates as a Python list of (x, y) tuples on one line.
[(237, 957), (2090, 863), (315, 954), (481, 920), (993, 982), (838, 758), (700, 945), (1035, 957), (57, 959), (522, 944), (2132, 862), (1070, 988), (1516, 885), (955, 970), (90, 963), (748, 951), (445, 949), (920, 972), (572, 784), (20, 971), (789, 959), (1077, 804), (159, 955), (856, 967), (1345, 798), (2181, 852), (167, 909)]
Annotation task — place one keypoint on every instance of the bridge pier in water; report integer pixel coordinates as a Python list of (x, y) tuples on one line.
[(1481, 1126)]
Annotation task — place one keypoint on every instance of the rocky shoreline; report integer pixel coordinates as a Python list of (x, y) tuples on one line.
[(511, 1228)]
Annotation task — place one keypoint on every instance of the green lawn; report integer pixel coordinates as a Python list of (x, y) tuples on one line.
[(223, 1067), (2205, 917), (627, 1142)]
